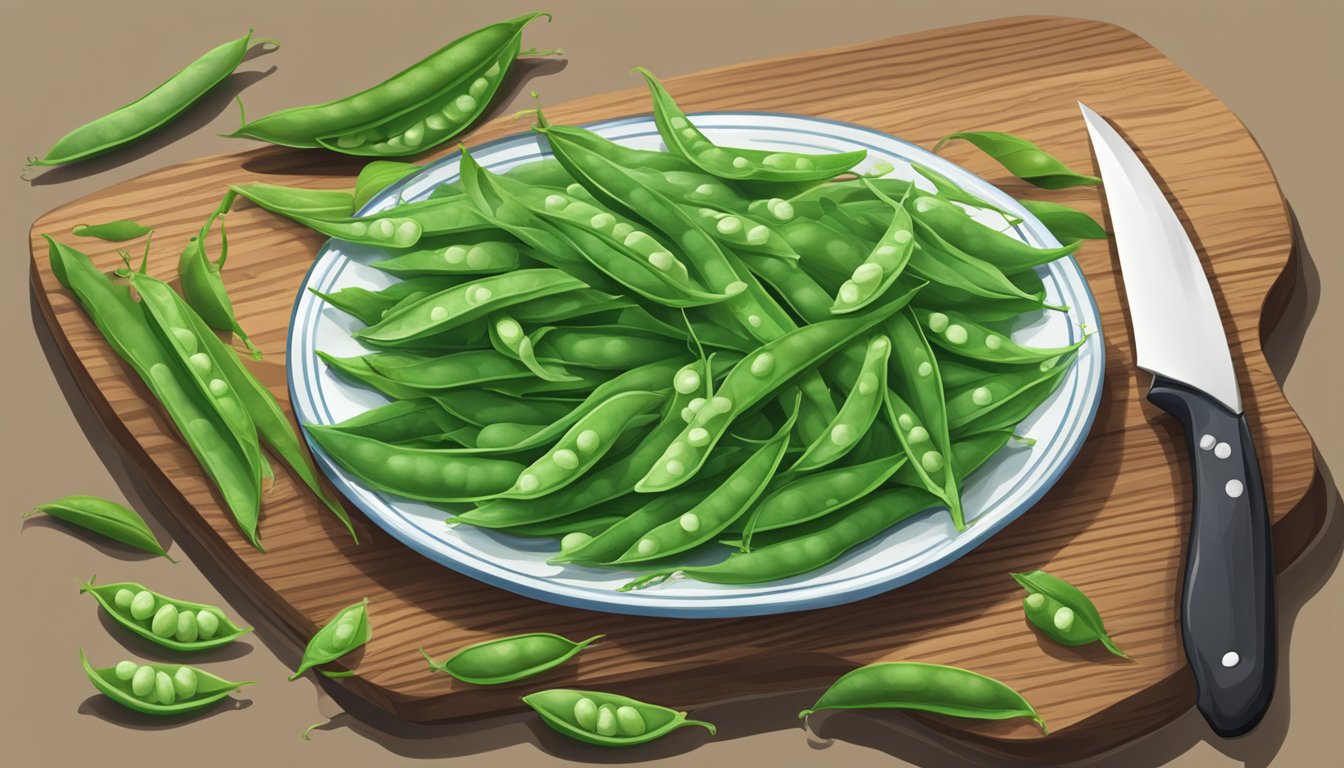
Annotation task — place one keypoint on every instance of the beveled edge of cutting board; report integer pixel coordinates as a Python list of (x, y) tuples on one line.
[(1019, 744)]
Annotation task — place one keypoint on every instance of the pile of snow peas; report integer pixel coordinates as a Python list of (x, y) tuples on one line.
[(650, 355)]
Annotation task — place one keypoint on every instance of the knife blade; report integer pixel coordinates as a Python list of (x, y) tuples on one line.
[(1227, 601)]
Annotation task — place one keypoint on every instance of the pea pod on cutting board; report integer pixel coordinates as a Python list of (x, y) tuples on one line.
[(1062, 612), (104, 517), (933, 688), (1023, 159), (172, 623), (607, 719), (154, 109), (203, 285), (343, 633), (159, 689), (1065, 223), (423, 105), (509, 659), (113, 231)]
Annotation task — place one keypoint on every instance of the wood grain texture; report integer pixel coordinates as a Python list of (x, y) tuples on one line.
[(1115, 525)]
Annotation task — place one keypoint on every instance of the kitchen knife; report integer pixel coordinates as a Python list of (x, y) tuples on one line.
[(1227, 605)]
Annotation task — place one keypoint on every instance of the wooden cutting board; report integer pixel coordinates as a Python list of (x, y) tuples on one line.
[(1115, 525)]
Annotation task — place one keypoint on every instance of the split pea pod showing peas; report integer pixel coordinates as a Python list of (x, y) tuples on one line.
[(422, 106), (509, 659), (607, 719), (933, 688), (343, 633), (1062, 612), (153, 110), (104, 517), (159, 689), (177, 624)]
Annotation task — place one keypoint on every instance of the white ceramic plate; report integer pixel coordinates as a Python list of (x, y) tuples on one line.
[(994, 496)]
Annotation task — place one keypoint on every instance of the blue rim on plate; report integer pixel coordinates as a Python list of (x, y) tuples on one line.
[(995, 495)]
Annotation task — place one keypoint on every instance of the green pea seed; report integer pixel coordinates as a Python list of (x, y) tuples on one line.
[(164, 623), (207, 624), (606, 721), (938, 322), (123, 598), (574, 540), (184, 682), (1063, 618), (187, 631), (343, 632), (956, 334), (164, 690), (585, 713), (142, 605), (1035, 600), (125, 670), (142, 682), (629, 722)]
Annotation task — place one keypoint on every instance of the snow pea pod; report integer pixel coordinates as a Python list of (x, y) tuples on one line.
[(856, 415), (1023, 159), (606, 719), (606, 347), (451, 68), (104, 517), (818, 494), (958, 334), (1009, 254), (390, 230), (684, 139), (888, 258), (460, 369), (343, 633), (979, 308), (483, 257), (203, 285), (509, 659), (113, 231), (973, 401), (740, 232), (172, 623), (424, 474), (483, 407), (1062, 612), (153, 110), (1065, 223), (159, 689), (1014, 411), (370, 306), (926, 688), (508, 338), (939, 261), (401, 421), (377, 176)]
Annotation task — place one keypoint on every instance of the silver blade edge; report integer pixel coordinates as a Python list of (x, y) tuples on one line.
[(1178, 332)]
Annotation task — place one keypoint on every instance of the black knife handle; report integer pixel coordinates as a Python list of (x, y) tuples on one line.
[(1227, 609)]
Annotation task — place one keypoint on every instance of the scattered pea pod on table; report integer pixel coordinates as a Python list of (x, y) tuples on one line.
[(159, 689), (1062, 612), (1023, 159), (509, 659), (113, 231), (153, 110), (104, 517), (607, 719), (420, 107), (344, 632), (177, 624)]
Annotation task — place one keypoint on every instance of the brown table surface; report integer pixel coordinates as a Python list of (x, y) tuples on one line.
[(1275, 65)]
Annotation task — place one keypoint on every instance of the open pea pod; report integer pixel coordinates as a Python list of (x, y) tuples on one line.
[(1062, 612), (509, 659), (181, 625), (1023, 159), (922, 687), (607, 719), (343, 633), (683, 138), (159, 689)]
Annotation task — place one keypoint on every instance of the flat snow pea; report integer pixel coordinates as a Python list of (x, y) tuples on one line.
[(683, 138), (922, 687), (167, 621), (153, 110), (113, 231), (104, 517), (203, 285), (1062, 612), (509, 659), (452, 67), (613, 542), (1023, 159), (482, 257), (815, 495), (856, 415), (343, 633), (1065, 223), (159, 689), (370, 306), (954, 226), (606, 719), (396, 228), (377, 176), (973, 401), (958, 334)]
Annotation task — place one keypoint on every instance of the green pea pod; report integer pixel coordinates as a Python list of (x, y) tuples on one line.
[(1063, 612), (684, 139), (884, 264), (922, 687), (959, 335), (1023, 159), (202, 284), (104, 517), (370, 306), (159, 689), (509, 659), (343, 633), (172, 623), (1065, 223), (606, 719), (482, 257), (391, 229), (153, 110), (451, 68), (377, 176), (113, 231), (953, 226), (860, 409), (973, 402), (311, 203)]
